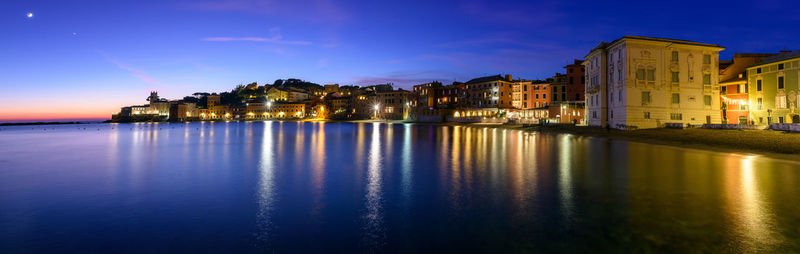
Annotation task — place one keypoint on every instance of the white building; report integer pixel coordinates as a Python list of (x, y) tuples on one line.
[(645, 82)]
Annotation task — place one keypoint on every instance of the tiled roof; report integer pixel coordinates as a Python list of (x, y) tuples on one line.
[(780, 57), (486, 79)]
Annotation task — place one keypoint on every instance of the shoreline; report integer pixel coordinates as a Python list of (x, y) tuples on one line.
[(771, 143)]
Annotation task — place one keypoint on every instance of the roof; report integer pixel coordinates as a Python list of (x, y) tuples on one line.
[(733, 81), (603, 45), (780, 57), (486, 79)]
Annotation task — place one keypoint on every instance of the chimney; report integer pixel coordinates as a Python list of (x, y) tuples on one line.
[(508, 77)]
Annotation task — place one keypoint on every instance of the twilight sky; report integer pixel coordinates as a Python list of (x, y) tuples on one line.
[(83, 59)]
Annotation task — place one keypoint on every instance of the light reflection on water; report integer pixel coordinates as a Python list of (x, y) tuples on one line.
[(370, 187)]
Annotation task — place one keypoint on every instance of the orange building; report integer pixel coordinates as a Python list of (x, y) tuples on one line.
[(734, 88)]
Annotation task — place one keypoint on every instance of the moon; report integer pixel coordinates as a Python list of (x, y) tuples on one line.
[(29, 15)]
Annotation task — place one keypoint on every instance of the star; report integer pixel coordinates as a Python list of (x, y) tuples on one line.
[(29, 15)]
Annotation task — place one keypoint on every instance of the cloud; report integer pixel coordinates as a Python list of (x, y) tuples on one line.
[(257, 39), (408, 78), (276, 38), (135, 72)]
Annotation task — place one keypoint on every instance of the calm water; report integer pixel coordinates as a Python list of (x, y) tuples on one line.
[(341, 187)]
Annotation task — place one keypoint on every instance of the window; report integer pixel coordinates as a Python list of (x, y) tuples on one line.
[(758, 85), (612, 97), (674, 56), (758, 70), (555, 89), (760, 104), (676, 116), (544, 96), (571, 80), (675, 77), (645, 97), (780, 82), (640, 74), (651, 75), (707, 100), (676, 98), (537, 96), (646, 115), (723, 89), (780, 119), (612, 114), (780, 101), (706, 79), (780, 66), (706, 59)]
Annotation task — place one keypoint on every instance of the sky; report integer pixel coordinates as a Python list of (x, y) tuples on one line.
[(84, 59)]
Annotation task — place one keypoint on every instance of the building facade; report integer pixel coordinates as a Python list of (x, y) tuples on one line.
[(490, 92), (646, 82), (774, 93), (734, 88)]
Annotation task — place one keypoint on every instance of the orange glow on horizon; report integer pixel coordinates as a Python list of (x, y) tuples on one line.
[(10, 117)]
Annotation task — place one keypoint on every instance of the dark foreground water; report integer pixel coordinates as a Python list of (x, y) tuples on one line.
[(338, 187)]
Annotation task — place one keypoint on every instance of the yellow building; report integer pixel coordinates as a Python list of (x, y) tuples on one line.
[(275, 94), (646, 82)]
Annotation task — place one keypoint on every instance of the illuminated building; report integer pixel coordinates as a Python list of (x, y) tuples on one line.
[(735, 105), (285, 110), (490, 92), (774, 93), (645, 82), (392, 105)]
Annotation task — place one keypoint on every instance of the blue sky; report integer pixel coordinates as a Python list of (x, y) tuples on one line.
[(86, 58)]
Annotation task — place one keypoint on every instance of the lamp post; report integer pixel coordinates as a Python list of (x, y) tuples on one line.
[(377, 107)]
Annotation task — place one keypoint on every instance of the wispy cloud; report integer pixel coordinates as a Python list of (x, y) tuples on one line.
[(276, 38), (138, 73), (408, 78), (257, 39)]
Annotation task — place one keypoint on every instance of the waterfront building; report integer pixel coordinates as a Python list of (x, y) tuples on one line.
[(285, 110), (256, 110), (516, 94), (646, 82), (392, 105), (734, 88), (425, 95), (490, 92), (450, 96), (774, 93), (576, 82)]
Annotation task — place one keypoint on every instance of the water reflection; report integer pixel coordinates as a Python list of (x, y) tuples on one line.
[(374, 234), (266, 186), (312, 187)]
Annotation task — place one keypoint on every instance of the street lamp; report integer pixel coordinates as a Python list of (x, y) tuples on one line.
[(376, 107)]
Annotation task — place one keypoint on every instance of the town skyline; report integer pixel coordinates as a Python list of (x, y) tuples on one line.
[(224, 43)]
